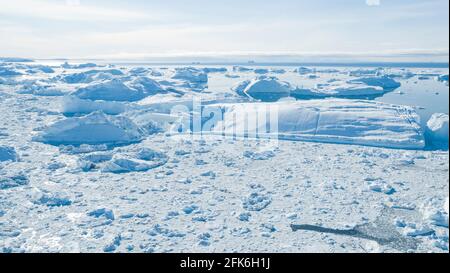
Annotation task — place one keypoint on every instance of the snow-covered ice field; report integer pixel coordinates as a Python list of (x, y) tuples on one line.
[(108, 158)]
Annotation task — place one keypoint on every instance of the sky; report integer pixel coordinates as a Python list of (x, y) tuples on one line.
[(267, 30)]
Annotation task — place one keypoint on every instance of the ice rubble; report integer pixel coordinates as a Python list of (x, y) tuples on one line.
[(437, 130), (191, 74), (332, 121), (96, 128)]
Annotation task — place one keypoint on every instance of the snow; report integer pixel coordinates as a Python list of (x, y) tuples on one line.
[(96, 128), (437, 130), (372, 123)]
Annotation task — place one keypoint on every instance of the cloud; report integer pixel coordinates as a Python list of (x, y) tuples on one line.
[(373, 2), (70, 10)]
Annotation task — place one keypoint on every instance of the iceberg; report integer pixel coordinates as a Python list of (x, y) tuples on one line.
[(341, 121), (66, 65), (384, 82), (443, 78), (304, 70), (190, 74), (365, 72), (111, 90), (437, 130), (142, 161), (72, 106), (15, 60), (147, 85), (9, 72), (90, 76), (267, 89), (8, 154), (96, 128), (215, 70), (339, 89), (241, 69), (261, 71)]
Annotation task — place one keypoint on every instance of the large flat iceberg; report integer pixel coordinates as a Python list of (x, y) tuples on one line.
[(332, 121)]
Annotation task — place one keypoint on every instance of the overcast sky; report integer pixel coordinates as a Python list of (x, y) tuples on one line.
[(409, 30)]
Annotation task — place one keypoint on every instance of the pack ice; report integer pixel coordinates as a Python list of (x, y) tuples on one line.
[(332, 121)]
